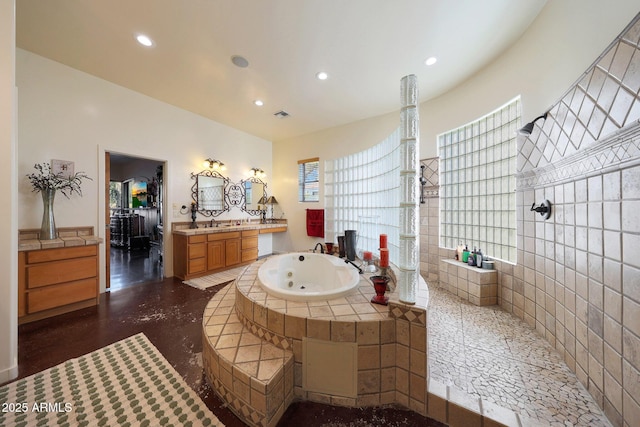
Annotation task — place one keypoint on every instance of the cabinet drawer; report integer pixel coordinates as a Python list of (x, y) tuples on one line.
[(56, 296), (198, 239), (197, 265), (223, 236), (249, 243), (249, 255), (61, 271), (249, 233), (197, 251), (58, 254), (273, 230)]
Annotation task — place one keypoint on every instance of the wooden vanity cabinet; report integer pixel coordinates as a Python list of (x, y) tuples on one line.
[(203, 254), (57, 280), (222, 250)]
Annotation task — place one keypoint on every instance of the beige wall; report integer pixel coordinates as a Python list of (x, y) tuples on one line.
[(70, 115), (550, 56), (8, 194)]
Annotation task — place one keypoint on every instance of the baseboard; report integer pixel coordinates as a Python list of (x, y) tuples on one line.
[(7, 375)]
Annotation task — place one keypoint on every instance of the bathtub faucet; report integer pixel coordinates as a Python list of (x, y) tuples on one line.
[(321, 248), (352, 263)]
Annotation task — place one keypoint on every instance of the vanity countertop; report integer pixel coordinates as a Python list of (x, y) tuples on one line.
[(222, 228)]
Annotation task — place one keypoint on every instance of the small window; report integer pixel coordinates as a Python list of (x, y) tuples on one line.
[(308, 180), (115, 195)]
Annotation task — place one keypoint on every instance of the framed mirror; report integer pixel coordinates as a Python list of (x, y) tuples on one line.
[(208, 192), (255, 194)]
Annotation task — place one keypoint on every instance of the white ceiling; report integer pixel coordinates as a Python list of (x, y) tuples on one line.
[(366, 47)]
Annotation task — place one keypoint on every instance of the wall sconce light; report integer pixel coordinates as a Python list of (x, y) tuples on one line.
[(257, 173), (214, 164), (528, 128)]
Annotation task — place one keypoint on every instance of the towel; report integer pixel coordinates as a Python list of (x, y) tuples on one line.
[(315, 222)]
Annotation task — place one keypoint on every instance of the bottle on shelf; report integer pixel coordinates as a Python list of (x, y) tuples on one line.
[(479, 258), (465, 254), (459, 250), (471, 260)]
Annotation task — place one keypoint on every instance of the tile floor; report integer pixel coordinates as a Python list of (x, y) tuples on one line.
[(492, 355)]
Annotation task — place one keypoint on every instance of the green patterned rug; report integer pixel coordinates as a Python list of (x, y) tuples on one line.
[(128, 383)]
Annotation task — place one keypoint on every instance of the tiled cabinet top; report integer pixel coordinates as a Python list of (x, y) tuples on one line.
[(28, 240)]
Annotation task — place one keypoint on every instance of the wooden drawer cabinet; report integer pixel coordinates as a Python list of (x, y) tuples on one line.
[(57, 280), (249, 245), (196, 255), (203, 254)]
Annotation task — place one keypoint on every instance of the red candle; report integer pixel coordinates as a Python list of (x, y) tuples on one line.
[(383, 241), (367, 255), (384, 257)]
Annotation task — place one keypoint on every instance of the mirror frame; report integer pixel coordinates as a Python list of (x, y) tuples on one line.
[(194, 192), (243, 184)]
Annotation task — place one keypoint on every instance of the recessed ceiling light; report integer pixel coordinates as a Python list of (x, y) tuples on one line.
[(322, 75), (258, 102), (144, 40), (431, 60), (239, 61)]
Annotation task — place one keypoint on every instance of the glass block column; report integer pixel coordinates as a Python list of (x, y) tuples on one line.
[(408, 262)]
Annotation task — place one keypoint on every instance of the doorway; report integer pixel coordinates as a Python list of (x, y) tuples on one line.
[(134, 215)]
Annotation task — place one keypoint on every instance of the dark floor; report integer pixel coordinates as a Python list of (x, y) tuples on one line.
[(169, 313)]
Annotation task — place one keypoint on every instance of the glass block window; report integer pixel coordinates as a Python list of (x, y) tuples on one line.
[(308, 180), (362, 193), (477, 183)]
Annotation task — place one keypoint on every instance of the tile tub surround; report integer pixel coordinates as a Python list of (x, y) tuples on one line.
[(476, 285), (391, 342)]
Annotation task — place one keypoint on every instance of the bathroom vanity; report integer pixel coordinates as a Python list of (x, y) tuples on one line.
[(201, 251), (57, 276)]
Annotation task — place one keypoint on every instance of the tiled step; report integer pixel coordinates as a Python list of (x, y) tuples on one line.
[(253, 376)]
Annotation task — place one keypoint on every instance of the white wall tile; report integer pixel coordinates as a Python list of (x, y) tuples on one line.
[(631, 183), (611, 186), (595, 188), (611, 215), (631, 216), (613, 245), (630, 249)]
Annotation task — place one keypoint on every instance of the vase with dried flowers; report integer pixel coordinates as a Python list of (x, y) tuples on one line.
[(45, 181)]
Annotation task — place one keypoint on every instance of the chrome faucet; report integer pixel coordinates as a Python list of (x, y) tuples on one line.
[(321, 248)]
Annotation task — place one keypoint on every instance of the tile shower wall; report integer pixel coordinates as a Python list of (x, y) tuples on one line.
[(429, 226), (577, 276)]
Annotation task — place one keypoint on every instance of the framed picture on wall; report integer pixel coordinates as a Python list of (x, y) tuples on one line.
[(139, 195), (63, 168)]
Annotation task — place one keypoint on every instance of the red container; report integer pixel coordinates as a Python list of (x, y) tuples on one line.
[(380, 286)]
